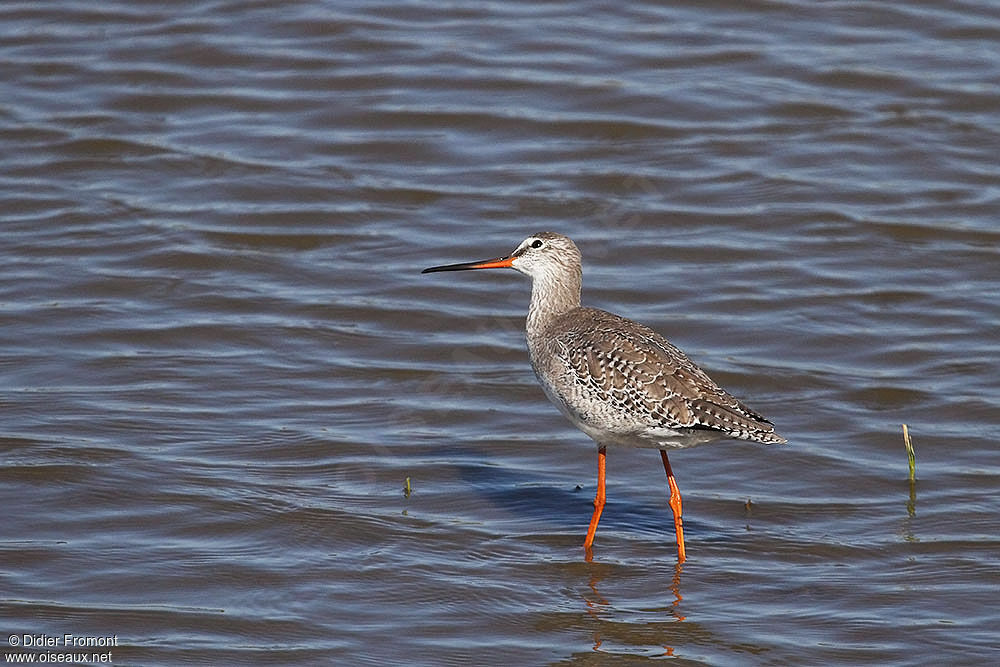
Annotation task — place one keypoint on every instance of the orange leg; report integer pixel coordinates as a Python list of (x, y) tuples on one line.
[(675, 505), (598, 499)]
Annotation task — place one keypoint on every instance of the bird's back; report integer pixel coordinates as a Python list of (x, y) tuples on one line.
[(622, 383)]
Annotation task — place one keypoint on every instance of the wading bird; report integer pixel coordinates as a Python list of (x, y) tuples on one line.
[(618, 381)]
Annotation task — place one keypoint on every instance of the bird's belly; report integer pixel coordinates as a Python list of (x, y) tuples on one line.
[(608, 424)]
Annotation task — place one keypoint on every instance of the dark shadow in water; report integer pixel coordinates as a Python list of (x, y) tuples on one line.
[(564, 508), (563, 505)]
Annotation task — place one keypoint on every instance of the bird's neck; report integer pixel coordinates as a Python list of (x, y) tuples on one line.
[(551, 296)]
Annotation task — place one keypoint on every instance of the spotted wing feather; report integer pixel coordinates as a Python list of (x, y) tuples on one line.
[(624, 377)]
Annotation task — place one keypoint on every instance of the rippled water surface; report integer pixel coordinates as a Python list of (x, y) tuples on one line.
[(220, 364)]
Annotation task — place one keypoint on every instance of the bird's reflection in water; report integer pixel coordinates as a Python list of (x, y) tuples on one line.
[(597, 604)]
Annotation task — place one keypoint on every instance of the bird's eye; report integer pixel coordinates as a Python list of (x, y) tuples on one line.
[(536, 244)]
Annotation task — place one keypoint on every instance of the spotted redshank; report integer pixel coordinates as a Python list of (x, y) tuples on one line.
[(618, 381)]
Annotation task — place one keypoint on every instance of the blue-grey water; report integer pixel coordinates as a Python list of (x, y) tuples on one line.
[(220, 364)]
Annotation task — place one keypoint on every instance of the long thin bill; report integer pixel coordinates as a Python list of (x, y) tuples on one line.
[(497, 263)]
